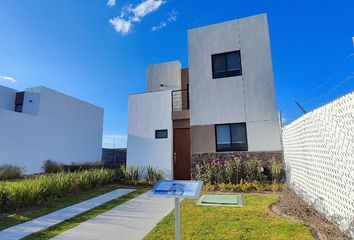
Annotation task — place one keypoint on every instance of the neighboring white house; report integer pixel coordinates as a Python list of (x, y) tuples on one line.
[(223, 106), (41, 124)]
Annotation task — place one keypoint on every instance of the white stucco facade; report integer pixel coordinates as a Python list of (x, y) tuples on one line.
[(164, 76), (51, 126), (246, 98), (148, 112)]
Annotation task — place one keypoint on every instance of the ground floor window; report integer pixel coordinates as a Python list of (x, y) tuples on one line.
[(162, 133), (231, 137)]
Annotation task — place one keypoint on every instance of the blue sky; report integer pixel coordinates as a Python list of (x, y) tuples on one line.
[(98, 50)]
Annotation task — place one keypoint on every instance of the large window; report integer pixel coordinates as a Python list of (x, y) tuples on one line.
[(231, 137), (161, 133), (226, 64)]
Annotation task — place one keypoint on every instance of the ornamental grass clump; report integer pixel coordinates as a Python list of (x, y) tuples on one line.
[(134, 175), (36, 190), (153, 175)]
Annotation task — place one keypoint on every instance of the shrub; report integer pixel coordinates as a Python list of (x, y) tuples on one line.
[(50, 166), (232, 171), (8, 172), (254, 170), (36, 190), (276, 170)]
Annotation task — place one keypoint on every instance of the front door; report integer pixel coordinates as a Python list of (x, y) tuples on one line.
[(181, 154)]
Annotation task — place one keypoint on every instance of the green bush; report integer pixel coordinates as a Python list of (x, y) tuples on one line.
[(8, 172), (51, 166), (232, 171), (36, 190)]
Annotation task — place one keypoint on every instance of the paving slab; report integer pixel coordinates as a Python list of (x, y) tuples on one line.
[(27, 228), (131, 220)]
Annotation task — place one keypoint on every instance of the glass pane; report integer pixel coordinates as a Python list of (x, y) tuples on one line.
[(239, 134), (219, 64), (233, 61), (223, 137), (161, 133), (239, 137)]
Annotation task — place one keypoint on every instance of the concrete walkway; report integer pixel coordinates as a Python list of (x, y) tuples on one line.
[(132, 220), (27, 228)]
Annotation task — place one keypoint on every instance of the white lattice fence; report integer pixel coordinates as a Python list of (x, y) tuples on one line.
[(319, 158)]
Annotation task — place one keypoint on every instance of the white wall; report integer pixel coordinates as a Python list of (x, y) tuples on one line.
[(148, 112), (31, 102), (319, 158), (168, 74), (7, 98), (65, 130), (248, 98)]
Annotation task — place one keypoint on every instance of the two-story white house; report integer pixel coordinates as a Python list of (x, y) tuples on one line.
[(223, 106), (41, 124)]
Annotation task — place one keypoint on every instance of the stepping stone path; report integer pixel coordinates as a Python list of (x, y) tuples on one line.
[(27, 228)]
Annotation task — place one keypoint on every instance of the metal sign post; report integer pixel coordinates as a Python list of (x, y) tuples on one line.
[(177, 189), (177, 220)]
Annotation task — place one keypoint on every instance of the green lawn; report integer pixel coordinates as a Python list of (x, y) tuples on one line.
[(53, 205), (253, 221)]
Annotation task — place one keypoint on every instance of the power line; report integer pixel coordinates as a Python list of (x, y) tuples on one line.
[(348, 78), (301, 107), (330, 78)]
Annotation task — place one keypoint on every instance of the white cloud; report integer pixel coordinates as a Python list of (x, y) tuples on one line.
[(9, 79), (160, 26), (114, 141), (133, 14), (111, 3), (144, 8), (172, 16), (120, 25)]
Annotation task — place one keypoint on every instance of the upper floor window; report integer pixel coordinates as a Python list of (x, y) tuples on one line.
[(161, 133), (231, 137), (226, 64)]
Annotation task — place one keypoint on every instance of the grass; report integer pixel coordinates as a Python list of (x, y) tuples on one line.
[(51, 206), (34, 191), (253, 221), (70, 223)]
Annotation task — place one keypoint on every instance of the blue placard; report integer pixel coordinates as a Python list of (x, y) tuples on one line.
[(178, 188)]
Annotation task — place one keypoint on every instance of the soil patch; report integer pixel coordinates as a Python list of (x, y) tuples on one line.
[(293, 207)]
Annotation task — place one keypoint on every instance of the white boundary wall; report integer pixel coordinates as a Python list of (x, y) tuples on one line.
[(319, 157)]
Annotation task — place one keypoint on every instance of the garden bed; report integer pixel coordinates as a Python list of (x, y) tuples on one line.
[(38, 190), (293, 207)]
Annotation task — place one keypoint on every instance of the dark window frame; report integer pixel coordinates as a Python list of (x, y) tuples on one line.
[(231, 148), (226, 73), (161, 130)]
